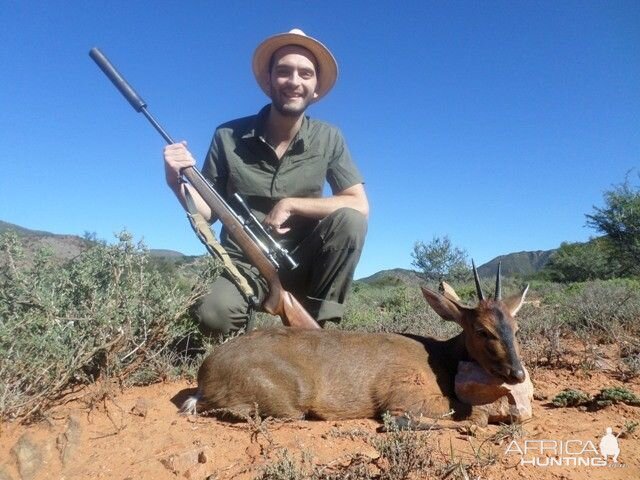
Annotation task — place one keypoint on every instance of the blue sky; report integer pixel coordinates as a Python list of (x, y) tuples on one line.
[(499, 124)]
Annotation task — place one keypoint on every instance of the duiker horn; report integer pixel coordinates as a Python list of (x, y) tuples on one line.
[(477, 279)]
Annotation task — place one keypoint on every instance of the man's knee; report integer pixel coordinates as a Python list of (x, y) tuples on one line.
[(218, 313), (349, 227)]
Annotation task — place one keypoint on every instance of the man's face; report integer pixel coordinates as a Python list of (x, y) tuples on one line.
[(292, 80)]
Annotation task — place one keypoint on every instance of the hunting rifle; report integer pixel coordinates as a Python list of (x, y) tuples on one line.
[(260, 248)]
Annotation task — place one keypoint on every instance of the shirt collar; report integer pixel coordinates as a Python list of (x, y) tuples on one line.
[(301, 140)]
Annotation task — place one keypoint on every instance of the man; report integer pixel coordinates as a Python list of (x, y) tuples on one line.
[(278, 161)]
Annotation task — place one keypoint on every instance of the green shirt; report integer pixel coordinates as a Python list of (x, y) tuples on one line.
[(240, 161)]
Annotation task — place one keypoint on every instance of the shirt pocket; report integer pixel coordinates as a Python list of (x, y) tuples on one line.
[(249, 175), (303, 176)]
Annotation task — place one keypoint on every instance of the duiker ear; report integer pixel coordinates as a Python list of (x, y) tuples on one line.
[(514, 302), (447, 308)]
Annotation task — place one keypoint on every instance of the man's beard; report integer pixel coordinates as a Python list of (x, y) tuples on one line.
[(290, 110)]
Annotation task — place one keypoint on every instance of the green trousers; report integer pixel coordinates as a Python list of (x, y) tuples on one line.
[(327, 259)]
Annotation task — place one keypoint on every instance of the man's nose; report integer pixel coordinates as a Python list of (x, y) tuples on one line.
[(294, 78)]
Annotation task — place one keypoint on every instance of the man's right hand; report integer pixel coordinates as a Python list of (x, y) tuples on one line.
[(176, 157)]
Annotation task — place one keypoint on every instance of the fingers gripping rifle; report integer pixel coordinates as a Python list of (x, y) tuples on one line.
[(259, 247)]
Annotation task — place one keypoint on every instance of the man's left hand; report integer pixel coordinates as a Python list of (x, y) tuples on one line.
[(278, 216)]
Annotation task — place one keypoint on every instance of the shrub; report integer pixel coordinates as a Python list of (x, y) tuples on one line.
[(580, 262), (608, 307), (402, 451), (570, 398), (541, 331), (606, 397), (619, 221), (284, 468), (614, 395), (630, 354), (102, 315), (440, 259), (394, 309)]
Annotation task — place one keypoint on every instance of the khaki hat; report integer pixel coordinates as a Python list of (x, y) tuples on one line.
[(327, 66)]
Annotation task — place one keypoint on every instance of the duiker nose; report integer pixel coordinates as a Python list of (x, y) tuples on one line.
[(517, 375)]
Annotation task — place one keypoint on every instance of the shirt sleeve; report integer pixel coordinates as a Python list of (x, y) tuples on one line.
[(342, 172), (215, 168)]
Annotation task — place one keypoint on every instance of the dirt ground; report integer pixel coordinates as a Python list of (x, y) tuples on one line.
[(138, 433)]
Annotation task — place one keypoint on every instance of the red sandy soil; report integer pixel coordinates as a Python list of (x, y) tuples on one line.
[(138, 433)]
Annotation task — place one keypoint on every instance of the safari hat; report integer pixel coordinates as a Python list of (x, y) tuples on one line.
[(326, 63)]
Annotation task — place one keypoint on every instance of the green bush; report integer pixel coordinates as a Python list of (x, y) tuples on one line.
[(104, 314), (570, 398), (440, 260), (284, 468), (614, 395), (580, 262), (606, 397), (610, 308), (615, 253), (403, 451), (394, 309), (619, 221)]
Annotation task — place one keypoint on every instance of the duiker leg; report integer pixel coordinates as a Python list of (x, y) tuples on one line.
[(414, 410)]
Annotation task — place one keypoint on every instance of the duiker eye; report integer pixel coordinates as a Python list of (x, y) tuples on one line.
[(484, 334)]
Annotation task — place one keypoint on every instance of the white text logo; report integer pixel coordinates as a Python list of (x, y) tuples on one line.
[(567, 453)]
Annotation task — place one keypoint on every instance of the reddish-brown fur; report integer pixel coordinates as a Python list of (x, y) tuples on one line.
[(333, 374)]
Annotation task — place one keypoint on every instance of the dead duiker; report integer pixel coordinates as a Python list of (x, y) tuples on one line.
[(333, 374)]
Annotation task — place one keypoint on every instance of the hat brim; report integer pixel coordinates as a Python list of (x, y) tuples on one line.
[(326, 64)]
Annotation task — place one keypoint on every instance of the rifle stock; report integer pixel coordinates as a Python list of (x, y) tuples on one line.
[(279, 301), (295, 313)]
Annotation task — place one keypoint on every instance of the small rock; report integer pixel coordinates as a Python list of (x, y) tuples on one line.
[(141, 408), (202, 457), (540, 396), (3, 474), (503, 403), (28, 457), (180, 462), (68, 441), (473, 385)]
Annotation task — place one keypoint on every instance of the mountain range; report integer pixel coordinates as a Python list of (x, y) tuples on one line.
[(66, 247)]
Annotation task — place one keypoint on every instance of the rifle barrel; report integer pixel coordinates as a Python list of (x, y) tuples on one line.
[(118, 80)]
